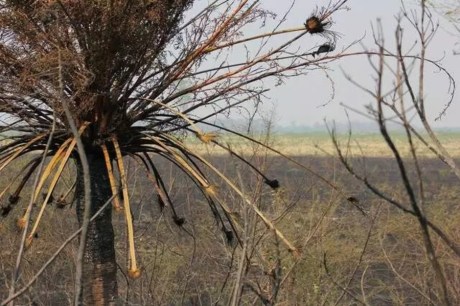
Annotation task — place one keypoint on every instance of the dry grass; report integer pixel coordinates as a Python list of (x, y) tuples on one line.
[(178, 269), (370, 145)]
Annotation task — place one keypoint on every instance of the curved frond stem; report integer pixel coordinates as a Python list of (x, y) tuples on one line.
[(182, 162), (204, 187), (9, 148), (14, 197), (42, 179), (212, 114), (33, 165), (189, 169), (133, 270), (26, 219), (66, 194), (112, 181), (157, 182), (197, 130), (261, 215), (19, 150), (57, 176), (52, 163), (309, 170), (10, 184), (241, 158), (269, 34), (187, 158)]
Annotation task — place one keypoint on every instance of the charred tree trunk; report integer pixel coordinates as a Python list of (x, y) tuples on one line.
[(99, 266)]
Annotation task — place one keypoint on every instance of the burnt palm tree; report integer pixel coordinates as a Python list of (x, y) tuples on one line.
[(97, 82)]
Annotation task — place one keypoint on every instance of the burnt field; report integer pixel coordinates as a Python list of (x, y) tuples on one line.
[(346, 256)]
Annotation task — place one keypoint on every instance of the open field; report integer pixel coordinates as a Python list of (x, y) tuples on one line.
[(371, 145), (346, 258)]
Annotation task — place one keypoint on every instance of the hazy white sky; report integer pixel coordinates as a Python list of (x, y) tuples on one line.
[(299, 100)]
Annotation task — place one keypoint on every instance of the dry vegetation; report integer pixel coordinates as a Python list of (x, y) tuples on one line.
[(299, 220), (299, 144), (346, 257), (101, 84)]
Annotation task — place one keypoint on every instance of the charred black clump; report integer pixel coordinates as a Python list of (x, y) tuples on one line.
[(274, 184), (353, 200), (61, 203), (228, 235), (13, 199), (5, 210), (50, 200), (319, 23), (179, 220), (315, 25), (161, 203)]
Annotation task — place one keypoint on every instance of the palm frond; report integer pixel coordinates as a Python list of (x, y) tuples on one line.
[(108, 163), (63, 158), (133, 270), (138, 80), (6, 158)]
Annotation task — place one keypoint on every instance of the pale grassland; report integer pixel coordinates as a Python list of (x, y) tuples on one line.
[(371, 145)]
